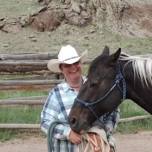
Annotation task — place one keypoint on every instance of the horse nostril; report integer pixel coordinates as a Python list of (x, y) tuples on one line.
[(73, 121)]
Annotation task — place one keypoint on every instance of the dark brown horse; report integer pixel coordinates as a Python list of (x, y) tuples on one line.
[(112, 78)]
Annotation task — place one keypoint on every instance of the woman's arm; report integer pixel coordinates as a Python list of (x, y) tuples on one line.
[(49, 115)]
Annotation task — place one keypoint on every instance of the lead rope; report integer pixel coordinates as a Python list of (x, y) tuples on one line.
[(50, 136), (96, 143), (91, 139)]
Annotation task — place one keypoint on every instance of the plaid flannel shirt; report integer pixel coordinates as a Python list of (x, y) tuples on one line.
[(53, 111)]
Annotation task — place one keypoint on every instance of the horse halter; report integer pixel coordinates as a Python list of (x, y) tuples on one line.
[(119, 78)]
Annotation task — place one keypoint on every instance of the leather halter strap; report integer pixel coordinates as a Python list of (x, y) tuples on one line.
[(118, 79)]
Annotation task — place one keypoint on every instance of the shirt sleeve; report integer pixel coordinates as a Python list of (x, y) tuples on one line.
[(49, 115)]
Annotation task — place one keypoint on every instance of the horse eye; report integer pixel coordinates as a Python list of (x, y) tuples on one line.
[(93, 83)]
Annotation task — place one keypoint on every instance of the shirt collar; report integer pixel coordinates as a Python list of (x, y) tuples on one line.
[(67, 87)]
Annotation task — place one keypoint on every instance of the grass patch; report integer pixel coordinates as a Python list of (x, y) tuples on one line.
[(19, 114), (135, 126), (31, 114), (26, 114), (7, 135), (13, 8), (129, 109), (23, 93)]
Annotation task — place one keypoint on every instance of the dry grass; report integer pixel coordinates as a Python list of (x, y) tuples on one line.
[(91, 37)]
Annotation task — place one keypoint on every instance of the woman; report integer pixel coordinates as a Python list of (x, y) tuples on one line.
[(61, 98)]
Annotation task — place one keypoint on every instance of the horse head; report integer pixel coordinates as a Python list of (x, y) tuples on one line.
[(99, 94)]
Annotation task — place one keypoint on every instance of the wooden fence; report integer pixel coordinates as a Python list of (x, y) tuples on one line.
[(25, 72), (29, 71)]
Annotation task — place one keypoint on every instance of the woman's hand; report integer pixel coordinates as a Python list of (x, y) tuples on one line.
[(74, 137)]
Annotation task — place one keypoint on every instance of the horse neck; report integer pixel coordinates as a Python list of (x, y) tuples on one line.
[(137, 91)]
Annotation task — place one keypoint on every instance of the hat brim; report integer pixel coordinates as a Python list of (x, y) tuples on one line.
[(53, 64)]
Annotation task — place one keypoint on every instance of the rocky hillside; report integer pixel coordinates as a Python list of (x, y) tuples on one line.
[(87, 24)]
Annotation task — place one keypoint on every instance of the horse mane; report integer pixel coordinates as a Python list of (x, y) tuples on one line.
[(142, 66)]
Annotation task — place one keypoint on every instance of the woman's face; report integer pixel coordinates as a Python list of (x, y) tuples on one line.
[(71, 72)]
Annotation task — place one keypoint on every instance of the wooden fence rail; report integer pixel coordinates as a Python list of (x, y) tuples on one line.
[(28, 84), (26, 62), (21, 102), (23, 66), (19, 126), (37, 100), (34, 66), (37, 126), (28, 56)]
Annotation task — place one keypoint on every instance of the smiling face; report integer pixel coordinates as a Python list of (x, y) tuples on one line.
[(72, 72)]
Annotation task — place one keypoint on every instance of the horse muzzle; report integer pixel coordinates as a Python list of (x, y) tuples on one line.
[(78, 125)]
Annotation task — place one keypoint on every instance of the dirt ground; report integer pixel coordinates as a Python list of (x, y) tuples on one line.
[(140, 142)]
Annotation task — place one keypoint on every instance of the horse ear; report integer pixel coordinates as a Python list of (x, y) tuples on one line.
[(114, 57), (105, 51)]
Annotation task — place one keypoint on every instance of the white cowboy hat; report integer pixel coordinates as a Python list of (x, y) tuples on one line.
[(67, 55)]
